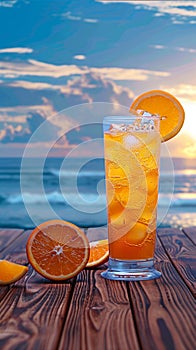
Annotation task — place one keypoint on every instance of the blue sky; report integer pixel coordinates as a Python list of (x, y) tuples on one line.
[(57, 54)]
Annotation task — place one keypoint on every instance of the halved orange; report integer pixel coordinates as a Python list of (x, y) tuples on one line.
[(11, 272), (166, 106), (58, 250), (99, 253)]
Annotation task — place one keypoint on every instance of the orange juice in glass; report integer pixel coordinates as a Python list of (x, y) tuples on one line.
[(132, 153)]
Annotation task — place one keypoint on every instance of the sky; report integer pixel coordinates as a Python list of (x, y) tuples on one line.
[(55, 55)]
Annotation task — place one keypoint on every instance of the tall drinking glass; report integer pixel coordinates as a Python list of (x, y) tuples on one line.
[(132, 153)]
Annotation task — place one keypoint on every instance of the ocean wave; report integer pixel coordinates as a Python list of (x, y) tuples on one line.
[(187, 173), (77, 173), (54, 197), (178, 200), (35, 198), (10, 175)]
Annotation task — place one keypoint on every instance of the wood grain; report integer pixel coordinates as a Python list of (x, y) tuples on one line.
[(32, 314), (163, 309), (181, 251), (93, 313), (7, 236), (14, 251), (99, 316), (33, 309), (191, 233)]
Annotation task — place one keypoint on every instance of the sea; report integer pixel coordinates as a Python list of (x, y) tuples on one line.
[(36, 190)]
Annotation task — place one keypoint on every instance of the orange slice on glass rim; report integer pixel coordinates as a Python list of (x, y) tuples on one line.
[(99, 253), (166, 106), (11, 272), (58, 250)]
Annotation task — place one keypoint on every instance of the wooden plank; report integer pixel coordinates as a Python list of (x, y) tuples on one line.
[(32, 310), (99, 316), (32, 313), (191, 233), (7, 236), (181, 251), (164, 308), (16, 251)]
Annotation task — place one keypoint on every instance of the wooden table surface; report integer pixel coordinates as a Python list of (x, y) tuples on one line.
[(89, 312)]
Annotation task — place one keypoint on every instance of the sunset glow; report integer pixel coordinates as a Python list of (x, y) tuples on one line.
[(190, 119), (49, 66)]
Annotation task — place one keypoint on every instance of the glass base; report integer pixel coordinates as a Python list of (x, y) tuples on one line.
[(131, 270)]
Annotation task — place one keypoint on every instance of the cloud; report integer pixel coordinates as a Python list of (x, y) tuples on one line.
[(8, 3), (20, 96), (11, 133), (18, 114), (17, 119), (21, 133), (68, 15), (19, 50), (176, 48), (96, 88), (188, 150), (29, 85), (185, 91), (184, 49), (79, 57), (116, 73), (86, 88), (42, 69), (181, 9), (73, 17), (91, 20), (158, 47), (37, 68)]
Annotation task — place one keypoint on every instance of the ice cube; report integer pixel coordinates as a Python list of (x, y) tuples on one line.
[(137, 235), (152, 181), (131, 141), (117, 127)]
